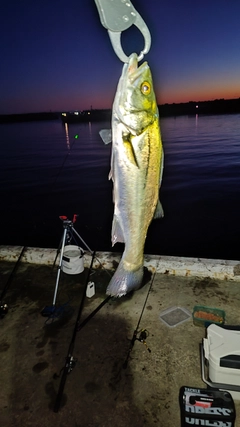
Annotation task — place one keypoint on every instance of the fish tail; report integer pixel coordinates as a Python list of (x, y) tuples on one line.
[(124, 281)]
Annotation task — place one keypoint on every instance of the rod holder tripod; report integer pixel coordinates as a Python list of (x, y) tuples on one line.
[(69, 232)]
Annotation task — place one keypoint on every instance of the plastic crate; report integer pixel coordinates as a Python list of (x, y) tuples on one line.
[(204, 321)]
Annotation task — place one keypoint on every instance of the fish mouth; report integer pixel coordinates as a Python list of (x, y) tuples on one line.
[(133, 71), (133, 63)]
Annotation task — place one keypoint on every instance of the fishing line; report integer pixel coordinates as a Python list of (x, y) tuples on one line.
[(52, 185), (63, 163)]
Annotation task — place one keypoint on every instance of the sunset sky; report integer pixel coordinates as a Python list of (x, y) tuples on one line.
[(56, 55)]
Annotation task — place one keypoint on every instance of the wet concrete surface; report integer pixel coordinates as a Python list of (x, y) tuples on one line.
[(99, 391)]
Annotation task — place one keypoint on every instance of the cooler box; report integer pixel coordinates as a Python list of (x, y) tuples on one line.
[(221, 351)]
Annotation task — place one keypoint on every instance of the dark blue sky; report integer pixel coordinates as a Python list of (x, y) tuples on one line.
[(56, 55)]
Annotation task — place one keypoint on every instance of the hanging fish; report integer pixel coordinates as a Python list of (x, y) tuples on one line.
[(136, 171)]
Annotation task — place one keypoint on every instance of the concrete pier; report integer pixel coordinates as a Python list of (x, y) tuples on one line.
[(176, 266), (100, 392)]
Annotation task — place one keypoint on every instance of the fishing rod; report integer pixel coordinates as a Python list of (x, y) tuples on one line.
[(70, 361), (143, 333), (4, 306), (85, 321)]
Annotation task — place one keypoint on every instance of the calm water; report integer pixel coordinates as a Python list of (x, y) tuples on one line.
[(46, 172)]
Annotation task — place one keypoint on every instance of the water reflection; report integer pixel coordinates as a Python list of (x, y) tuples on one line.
[(90, 129), (67, 136)]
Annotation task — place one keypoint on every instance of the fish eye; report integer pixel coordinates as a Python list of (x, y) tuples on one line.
[(145, 88)]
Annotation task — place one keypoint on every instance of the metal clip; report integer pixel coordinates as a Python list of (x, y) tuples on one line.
[(117, 16)]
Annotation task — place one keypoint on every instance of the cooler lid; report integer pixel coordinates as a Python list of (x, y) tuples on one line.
[(222, 346)]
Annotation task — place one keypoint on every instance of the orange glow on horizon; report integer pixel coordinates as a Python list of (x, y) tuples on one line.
[(198, 91), (196, 97)]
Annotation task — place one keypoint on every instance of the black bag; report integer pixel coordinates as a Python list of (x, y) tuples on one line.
[(206, 407)]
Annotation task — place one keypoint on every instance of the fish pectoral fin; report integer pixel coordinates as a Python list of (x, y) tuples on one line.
[(129, 149), (117, 234), (106, 135), (111, 174), (158, 211), (161, 168)]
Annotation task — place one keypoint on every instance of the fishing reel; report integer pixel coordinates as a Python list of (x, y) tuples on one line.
[(142, 338), (3, 310)]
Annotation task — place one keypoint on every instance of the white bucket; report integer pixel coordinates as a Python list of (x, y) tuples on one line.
[(72, 262)]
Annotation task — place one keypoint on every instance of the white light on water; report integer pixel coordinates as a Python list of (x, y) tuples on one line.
[(67, 136)]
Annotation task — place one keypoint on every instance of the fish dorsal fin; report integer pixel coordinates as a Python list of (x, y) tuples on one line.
[(106, 135)]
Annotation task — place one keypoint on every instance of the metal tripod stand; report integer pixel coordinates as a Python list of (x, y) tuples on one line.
[(68, 234)]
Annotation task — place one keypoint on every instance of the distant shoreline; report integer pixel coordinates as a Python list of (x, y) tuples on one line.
[(218, 106), (28, 117)]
